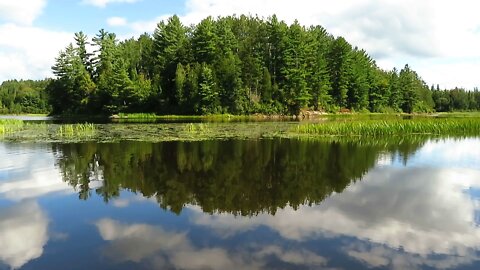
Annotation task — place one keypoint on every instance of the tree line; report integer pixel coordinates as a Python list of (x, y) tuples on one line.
[(457, 99), (236, 65), (24, 97)]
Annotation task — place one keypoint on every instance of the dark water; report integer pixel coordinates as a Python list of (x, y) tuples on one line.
[(264, 204)]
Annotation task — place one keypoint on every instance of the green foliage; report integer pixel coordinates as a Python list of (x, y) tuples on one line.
[(24, 97), (456, 99), (236, 65)]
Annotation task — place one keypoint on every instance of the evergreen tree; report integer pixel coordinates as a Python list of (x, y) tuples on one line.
[(209, 100), (170, 41), (231, 64), (339, 65), (295, 69)]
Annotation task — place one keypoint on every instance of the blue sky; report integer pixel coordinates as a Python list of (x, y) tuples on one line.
[(76, 15), (437, 38)]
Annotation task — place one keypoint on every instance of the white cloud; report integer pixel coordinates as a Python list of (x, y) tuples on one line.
[(104, 3), (28, 52), (23, 233), (22, 12), (439, 39), (117, 21)]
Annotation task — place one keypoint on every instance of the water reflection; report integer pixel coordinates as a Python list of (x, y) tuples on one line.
[(161, 249), (239, 177), (23, 233), (419, 211), (28, 172), (268, 204)]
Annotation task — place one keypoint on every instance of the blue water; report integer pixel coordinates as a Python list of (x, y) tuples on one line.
[(267, 204)]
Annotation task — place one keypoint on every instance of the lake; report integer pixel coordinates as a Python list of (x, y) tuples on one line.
[(241, 204)]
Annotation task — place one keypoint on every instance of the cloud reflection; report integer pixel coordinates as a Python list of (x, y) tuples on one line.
[(23, 233), (420, 211), (142, 243), (28, 172)]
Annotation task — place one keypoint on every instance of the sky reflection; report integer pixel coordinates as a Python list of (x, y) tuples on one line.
[(421, 214)]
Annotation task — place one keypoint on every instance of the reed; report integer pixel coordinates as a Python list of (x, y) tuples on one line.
[(137, 116), (467, 126), (76, 130), (10, 125)]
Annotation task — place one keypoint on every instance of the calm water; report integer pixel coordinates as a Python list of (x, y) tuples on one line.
[(264, 204)]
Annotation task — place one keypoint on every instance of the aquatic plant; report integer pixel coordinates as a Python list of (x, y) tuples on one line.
[(72, 130), (10, 125), (137, 116), (467, 126)]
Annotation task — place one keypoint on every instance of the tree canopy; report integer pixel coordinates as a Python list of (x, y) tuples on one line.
[(237, 65)]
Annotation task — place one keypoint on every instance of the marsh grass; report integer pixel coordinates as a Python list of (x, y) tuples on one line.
[(137, 116), (10, 125), (76, 130), (459, 126)]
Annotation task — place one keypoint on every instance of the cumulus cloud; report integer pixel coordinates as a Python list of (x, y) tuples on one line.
[(104, 3), (25, 221), (28, 52), (116, 21), (439, 39), (143, 243), (22, 12)]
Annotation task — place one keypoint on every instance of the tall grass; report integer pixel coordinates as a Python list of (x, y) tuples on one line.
[(137, 116), (76, 130), (468, 126), (10, 125)]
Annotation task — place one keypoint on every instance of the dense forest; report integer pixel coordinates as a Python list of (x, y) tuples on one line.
[(236, 65), (24, 97)]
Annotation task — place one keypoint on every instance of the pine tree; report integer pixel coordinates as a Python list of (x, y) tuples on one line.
[(339, 65)]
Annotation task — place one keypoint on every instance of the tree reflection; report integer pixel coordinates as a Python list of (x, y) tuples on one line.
[(239, 177)]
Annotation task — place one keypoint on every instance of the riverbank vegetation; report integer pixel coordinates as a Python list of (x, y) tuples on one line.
[(395, 127)]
